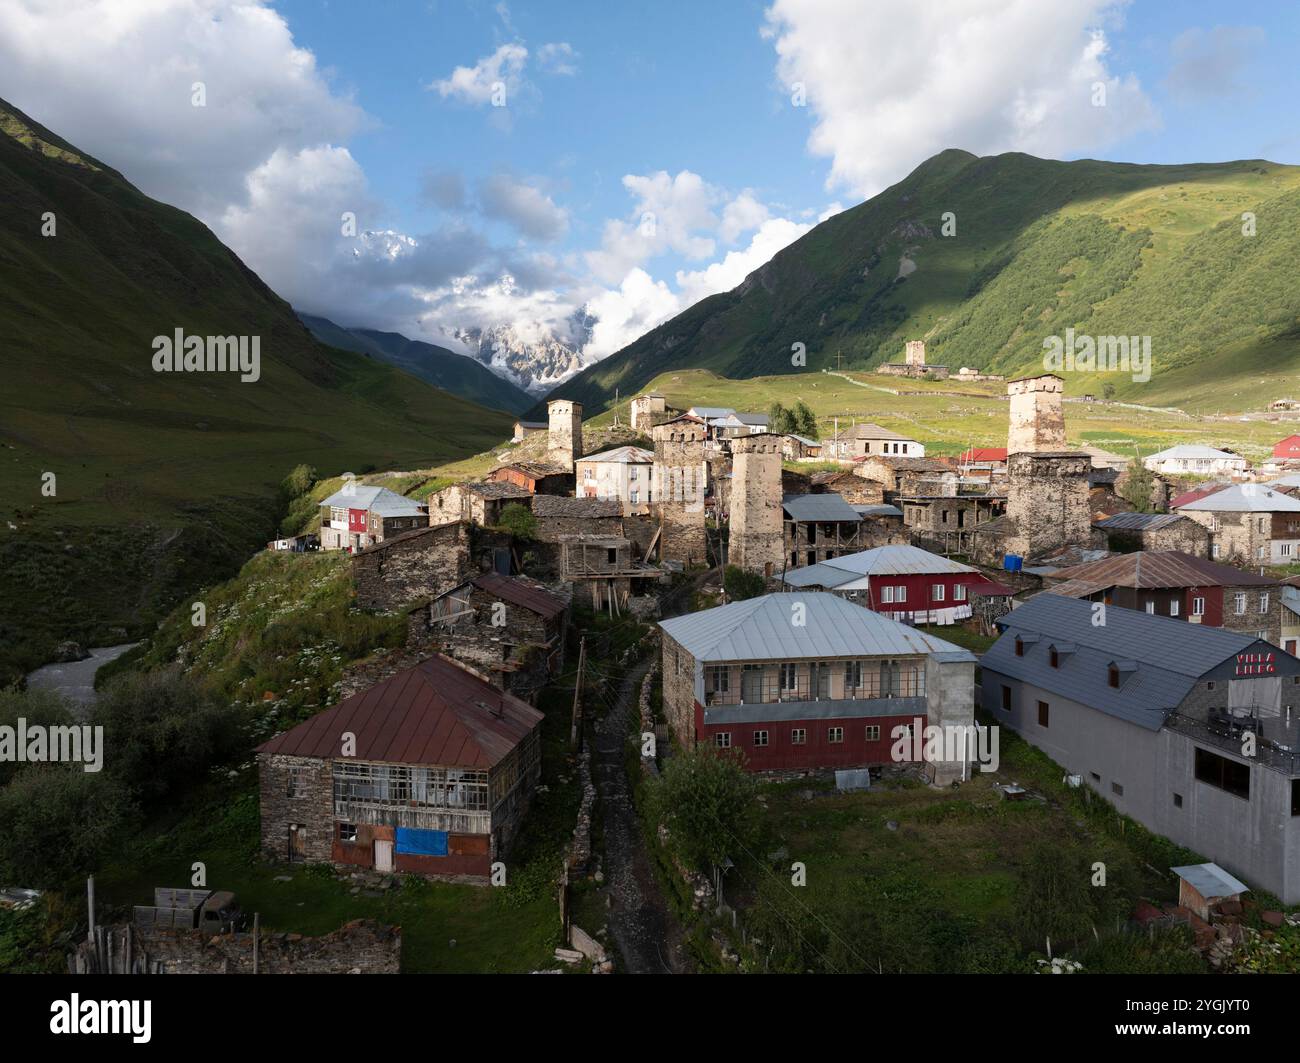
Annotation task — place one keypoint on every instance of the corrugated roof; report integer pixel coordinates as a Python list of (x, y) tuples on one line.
[(1193, 451), (622, 456), (1138, 521), (516, 591), (895, 560), (1171, 655), (1202, 491), (765, 629), (1210, 880), (1147, 569), (1244, 498), (993, 454), (436, 713), (879, 511), (374, 500), (561, 506), (1291, 479), (824, 507)]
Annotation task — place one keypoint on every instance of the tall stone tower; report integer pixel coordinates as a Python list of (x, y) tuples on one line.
[(644, 409), (678, 484), (1047, 502), (757, 542), (564, 432), (1037, 417), (915, 352)]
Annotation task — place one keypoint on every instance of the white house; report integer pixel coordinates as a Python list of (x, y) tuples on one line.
[(1190, 459), (622, 473)]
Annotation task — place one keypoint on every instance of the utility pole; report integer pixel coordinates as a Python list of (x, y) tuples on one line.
[(577, 692)]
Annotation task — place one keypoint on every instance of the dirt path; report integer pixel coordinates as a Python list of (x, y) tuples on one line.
[(644, 929)]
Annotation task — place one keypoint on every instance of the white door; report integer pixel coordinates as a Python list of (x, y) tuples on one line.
[(383, 855)]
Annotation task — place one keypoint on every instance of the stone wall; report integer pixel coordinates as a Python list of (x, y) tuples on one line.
[(412, 567), (1037, 415), (1185, 535), (755, 541), (1047, 503), (311, 808), (679, 691)]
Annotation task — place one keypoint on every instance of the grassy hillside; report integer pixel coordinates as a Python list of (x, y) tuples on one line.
[(456, 373), (1039, 246), (162, 481)]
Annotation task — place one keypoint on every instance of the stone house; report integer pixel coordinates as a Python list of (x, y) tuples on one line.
[(835, 691), (357, 516), (855, 489), (1155, 531), (524, 429), (801, 448), (818, 527), (871, 440), (1181, 586), (413, 566), (429, 772), (479, 503), (1249, 524), (509, 628), (535, 477), (558, 517), (1188, 729), (910, 476), (948, 522)]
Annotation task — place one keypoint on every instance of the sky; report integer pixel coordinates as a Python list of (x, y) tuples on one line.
[(432, 166)]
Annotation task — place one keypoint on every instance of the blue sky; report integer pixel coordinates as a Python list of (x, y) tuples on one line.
[(474, 216)]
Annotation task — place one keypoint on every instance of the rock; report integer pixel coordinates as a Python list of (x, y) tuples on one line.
[(69, 651), (891, 824), (1272, 918), (451, 944), (568, 955)]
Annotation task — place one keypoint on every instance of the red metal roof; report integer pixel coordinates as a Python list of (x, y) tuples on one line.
[(984, 454), (517, 592), (1196, 494), (436, 713), (1153, 569)]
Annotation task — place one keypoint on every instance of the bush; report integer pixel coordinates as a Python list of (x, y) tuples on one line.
[(740, 584), (34, 706), (706, 800), (519, 521)]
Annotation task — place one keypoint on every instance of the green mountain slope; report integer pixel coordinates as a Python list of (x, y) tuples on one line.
[(436, 365), (161, 481), (1105, 248)]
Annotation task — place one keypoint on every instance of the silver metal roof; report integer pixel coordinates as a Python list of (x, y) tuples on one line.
[(1193, 451), (1244, 498), (376, 500), (1210, 880), (894, 560), (621, 456), (1137, 521), (796, 626)]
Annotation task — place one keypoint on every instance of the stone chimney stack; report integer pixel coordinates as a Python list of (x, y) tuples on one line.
[(1037, 416), (564, 432)]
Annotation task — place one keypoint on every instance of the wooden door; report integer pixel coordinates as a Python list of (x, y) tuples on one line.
[(383, 855)]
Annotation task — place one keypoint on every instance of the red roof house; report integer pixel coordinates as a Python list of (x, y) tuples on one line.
[(1287, 449)]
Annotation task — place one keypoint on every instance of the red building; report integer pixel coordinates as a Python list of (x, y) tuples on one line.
[(1287, 449), (905, 582), (807, 681)]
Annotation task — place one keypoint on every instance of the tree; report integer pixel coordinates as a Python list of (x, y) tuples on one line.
[(805, 420), (781, 420), (519, 521), (740, 584), (1138, 483), (706, 800), (38, 708)]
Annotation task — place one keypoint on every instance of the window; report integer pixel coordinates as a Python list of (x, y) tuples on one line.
[(936, 592), (873, 732), (1178, 800), (717, 679), (1117, 789), (1151, 608), (1209, 685), (1173, 607), (347, 832), (633, 496), (887, 595), (1094, 777), (760, 738), (959, 593), (1295, 797), (852, 677), (1284, 549), (1020, 646), (293, 782), (1054, 658), (789, 678), (1198, 607), (1043, 711), (1214, 550), (1239, 603), (1006, 698), (798, 736), (611, 557), (1112, 676), (835, 735), (1228, 775), (722, 739), (1263, 601)]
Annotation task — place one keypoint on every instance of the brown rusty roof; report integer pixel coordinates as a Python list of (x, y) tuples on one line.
[(526, 595), (1159, 568), (436, 713)]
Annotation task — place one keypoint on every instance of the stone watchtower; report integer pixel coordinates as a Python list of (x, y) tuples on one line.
[(757, 542), (1037, 416), (564, 432), (644, 409), (1047, 502), (678, 484), (915, 353)]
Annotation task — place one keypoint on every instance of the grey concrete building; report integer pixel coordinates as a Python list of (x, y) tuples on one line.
[(1190, 730)]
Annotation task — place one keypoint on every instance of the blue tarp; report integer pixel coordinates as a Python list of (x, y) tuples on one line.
[(421, 842)]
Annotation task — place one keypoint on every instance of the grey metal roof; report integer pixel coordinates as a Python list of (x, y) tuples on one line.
[(1245, 498), (824, 507), (1210, 880), (894, 560), (1193, 451), (708, 412), (1138, 521), (375, 500), (879, 511), (1171, 655), (1291, 479), (621, 456), (766, 629), (834, 709)]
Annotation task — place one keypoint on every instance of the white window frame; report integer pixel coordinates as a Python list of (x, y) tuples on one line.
[(722, 740), (1198, 607), (798, 736), (760, 739), (873, 732), (937, 592), (835, 735)]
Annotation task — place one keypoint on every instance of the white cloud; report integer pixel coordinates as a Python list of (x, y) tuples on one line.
[(524, 206), (772, 236), (741, 215), (626, 313), (558, 58), (889, 85), (478, 84)]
